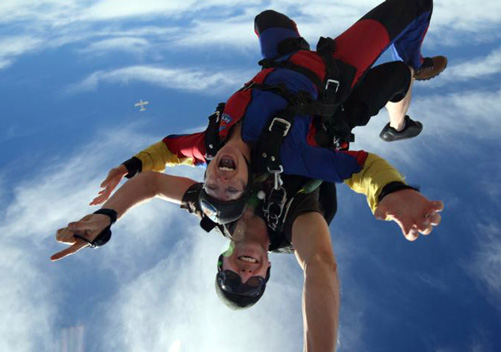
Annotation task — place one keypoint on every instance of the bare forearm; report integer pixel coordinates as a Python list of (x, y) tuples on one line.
[(311, 238), (320, 306), (135, 191)]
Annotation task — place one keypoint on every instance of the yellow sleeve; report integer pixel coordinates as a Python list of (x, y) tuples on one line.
[(157, 156), (370, 181)]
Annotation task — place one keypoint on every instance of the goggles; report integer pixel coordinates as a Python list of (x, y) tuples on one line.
[(231, 282), (224, 212)]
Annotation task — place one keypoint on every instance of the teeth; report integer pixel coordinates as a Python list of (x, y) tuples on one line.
[(226, 164), (222, 168), (247, 259)]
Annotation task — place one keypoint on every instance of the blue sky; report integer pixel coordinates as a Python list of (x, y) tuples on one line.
[(71, 72)]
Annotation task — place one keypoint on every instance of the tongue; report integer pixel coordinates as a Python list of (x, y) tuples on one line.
[(227, 163)]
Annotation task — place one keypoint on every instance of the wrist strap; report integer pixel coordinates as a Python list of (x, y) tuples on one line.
[(112, 214), (394, 187), (105, 235)]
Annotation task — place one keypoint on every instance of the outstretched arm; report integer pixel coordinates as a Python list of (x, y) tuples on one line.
[(171, 151), (413, 212), (313, 249), (139, 189)]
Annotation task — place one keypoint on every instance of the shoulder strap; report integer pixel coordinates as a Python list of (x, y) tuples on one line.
[(212, 140)]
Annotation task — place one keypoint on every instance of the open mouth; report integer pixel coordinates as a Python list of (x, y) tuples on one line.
[(226, 164), (247, 259)]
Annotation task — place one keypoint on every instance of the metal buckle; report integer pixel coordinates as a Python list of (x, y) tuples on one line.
[(273, 218), (283, 121), (336, 82)]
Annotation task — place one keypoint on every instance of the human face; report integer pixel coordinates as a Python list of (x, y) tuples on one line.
[(227, 174), (247, 259)]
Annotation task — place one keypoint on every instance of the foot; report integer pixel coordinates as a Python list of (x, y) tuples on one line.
[(411, 129), (431, 67)]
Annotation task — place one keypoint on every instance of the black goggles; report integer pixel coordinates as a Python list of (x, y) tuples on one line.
[(222, 212), (231, 282)]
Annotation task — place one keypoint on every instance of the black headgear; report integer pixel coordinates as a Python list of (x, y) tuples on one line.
[(224, 212), (237, 301)]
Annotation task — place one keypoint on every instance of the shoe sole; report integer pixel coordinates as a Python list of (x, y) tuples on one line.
[(427, 79)]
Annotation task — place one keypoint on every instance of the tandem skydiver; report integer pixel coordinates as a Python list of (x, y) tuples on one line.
[(244, 269), (382, 186), (303, 100)]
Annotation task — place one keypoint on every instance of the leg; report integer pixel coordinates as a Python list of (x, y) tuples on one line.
[(389, 82), (401, 126), (398, 110), (278, 34), (394, 21)]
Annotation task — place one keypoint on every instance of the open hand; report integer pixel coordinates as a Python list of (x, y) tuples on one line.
[(88, 227), (412, 211), (109, 184)]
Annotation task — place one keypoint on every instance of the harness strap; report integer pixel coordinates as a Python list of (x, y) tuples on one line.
[(290, 45), (330, 97), (266, 157), (270, 63), (212, 140)]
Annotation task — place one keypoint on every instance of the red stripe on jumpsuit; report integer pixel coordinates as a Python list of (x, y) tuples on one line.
[(361, 45), (237, 105)]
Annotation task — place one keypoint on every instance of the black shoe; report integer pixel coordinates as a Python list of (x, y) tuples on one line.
[(412, 129)]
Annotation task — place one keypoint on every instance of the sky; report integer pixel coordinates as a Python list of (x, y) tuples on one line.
[(70, 74)]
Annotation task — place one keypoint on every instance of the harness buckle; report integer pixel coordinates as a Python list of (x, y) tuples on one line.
[(274, 207), (332, 81), (277, 180), (281, 124)]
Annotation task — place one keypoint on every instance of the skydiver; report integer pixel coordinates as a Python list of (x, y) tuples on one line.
[(228, 193), (356, 50), (244, 269)]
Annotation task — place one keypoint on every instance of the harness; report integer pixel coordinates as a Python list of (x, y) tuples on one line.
[(275, 202), (332, 131)]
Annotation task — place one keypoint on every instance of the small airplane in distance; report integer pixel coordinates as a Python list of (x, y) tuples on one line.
[(142, 104)]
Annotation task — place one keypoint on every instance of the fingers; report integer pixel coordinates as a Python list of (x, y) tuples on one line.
[(109, 184), (425, 226), (65, 235), (412, 235), (103, 197), (111, 175), (380, 212), (83, 226), (77, 246), (435, 219), (437, 205), (104, 194)]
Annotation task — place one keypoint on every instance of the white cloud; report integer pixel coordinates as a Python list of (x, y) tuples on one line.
[(119, 9), (183, 79), (461, 15), (157, 272), (472, 70), (485, 267), (229, 24), (127, 44), (34, 291), (11, 47), (27, 306), (447, 118)]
